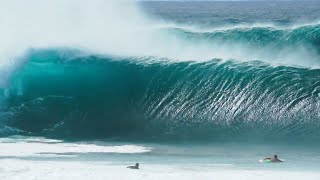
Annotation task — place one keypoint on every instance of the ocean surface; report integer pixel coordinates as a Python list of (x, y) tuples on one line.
[(187, 89)]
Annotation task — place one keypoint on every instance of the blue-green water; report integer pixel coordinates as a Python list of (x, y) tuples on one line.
[(258, 82), (190, 90), (229, 156), (222, 13)]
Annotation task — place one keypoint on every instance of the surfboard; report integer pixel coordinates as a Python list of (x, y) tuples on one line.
[(268, 161), (264, 161)]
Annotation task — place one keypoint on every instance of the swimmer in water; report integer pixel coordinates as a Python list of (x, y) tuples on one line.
[(274, 159), (134, 167)]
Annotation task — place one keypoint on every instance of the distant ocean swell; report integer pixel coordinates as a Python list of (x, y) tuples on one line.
[(60, 94), (260, 36)]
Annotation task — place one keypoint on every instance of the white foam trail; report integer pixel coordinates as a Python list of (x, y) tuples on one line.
[(27, 147), (16, 139)]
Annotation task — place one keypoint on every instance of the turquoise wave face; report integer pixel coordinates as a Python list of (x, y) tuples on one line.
[(65, 96)]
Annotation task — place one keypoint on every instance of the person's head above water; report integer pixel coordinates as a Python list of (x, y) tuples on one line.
[(275, 159)]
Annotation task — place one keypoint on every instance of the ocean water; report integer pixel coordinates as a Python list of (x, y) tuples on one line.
[(187, 89)]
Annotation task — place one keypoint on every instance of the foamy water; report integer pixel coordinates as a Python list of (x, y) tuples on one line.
[(43, 147), (37, 170), (40, 158)]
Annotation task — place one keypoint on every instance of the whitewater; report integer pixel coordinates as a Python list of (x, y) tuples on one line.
[(187, 89)]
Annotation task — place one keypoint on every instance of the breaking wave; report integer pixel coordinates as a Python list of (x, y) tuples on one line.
[(61, 94), (72, 75)]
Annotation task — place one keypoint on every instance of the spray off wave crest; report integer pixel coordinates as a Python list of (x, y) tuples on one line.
[(119, 28), (152, 79)]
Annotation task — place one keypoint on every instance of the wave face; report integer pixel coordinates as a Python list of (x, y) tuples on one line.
[(58, 93)]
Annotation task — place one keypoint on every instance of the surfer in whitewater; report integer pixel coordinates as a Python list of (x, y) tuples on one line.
[(134, 167), (273, 159)]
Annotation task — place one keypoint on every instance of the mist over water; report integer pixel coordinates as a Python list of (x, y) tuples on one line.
[(108, 69), (99, 26), (121, 28)]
